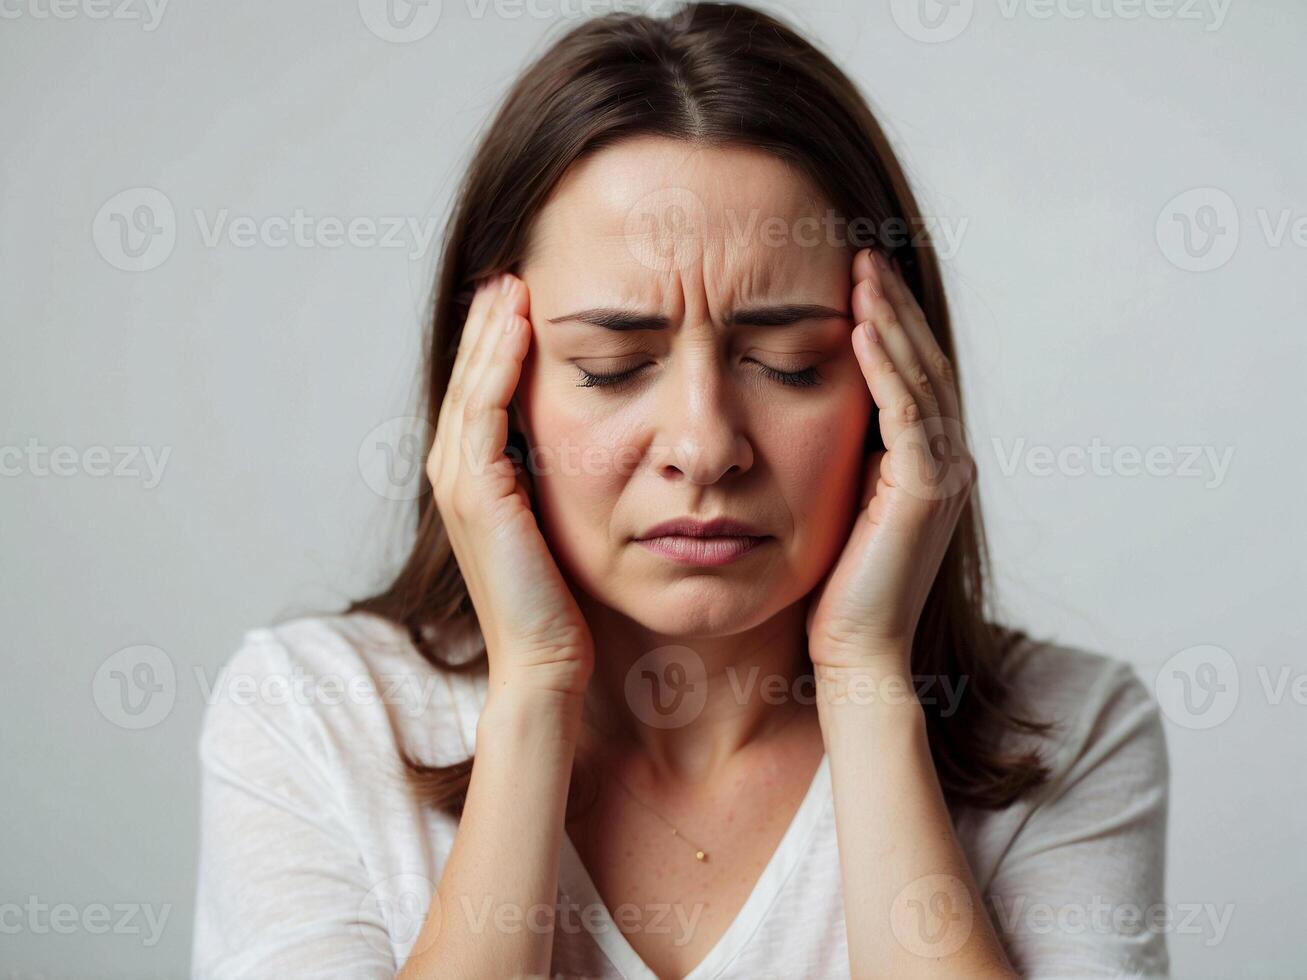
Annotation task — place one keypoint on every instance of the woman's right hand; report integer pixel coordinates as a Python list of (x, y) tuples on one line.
[(535, 634)]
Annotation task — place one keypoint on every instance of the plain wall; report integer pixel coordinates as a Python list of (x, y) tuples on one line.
[(1062, 151)]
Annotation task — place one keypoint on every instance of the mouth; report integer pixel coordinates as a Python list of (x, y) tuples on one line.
[(700, 550), (692, 527), (703, 552), (688, 541)]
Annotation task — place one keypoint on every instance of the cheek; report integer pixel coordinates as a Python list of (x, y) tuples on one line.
[(819, 465), (580, 462), (585, 441)]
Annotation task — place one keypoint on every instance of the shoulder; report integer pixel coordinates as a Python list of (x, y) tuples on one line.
[(339, 684), (1070, 680), (1102, 715), (341, 642), (1091, 840)]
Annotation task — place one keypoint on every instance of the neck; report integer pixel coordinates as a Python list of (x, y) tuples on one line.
[(690, 711)]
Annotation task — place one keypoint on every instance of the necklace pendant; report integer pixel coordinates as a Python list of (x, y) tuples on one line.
[(700, 856)]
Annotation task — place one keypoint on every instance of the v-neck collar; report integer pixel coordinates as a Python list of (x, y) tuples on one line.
[(576, 883)]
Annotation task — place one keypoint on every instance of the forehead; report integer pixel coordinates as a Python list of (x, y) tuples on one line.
[(652, 211)]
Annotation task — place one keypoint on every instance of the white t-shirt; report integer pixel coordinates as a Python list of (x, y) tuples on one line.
[(318, 861)]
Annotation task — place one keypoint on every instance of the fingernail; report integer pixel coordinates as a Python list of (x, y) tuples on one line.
[(505, 283), (874, 288), (882, 262), (870, 329)]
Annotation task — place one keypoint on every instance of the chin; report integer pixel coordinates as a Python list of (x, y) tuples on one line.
[(699, 606)]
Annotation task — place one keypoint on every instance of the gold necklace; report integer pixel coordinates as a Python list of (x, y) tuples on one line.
[(699, 853)]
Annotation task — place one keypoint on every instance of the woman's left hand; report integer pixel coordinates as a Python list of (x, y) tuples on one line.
[(865, 611)]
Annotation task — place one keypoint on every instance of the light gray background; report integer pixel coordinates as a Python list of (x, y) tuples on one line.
[(1059, 145)]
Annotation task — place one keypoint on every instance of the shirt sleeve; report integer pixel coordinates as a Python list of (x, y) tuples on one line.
[(282, 890), (1080, 890)]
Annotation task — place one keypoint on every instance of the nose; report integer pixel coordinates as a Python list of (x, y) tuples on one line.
[(701, 436)]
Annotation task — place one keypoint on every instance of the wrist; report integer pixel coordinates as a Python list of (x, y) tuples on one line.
[(520, 709), (882, 689), (885, 676)]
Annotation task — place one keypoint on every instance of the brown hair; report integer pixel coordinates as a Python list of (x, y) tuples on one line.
[(712, 74)]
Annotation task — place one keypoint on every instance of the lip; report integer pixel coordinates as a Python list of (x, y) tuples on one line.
[(700, 551), (687, 541), (689, 527)]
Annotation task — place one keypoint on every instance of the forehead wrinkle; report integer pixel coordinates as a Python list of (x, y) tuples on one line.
[(586, 246), (711, 287)]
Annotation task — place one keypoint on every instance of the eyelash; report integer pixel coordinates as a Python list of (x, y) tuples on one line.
[(797, 379)]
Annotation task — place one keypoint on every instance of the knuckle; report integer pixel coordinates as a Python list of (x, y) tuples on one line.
[(969, 462), (459, 507), (440, 493), (907, 411), (944, 368), (472, 407), (917, 377)]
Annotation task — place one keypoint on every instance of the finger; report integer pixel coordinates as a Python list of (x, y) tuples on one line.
[(489, 296), (894, 337), (443, 460), (870, 282), (490, 389), (871, 476), (506, 303), (924, 462), (490, 335), (496, 361), (862, 270), (937, 364), (480, 309), (899, 412)]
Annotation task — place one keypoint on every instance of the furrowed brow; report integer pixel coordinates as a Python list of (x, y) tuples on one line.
[(782, 315)]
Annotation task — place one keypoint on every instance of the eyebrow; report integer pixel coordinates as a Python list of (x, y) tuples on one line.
[(753, 316)]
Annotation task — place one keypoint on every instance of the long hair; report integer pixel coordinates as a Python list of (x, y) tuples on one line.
[(715, 75)]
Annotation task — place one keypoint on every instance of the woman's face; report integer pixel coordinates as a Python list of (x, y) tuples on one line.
[(727, 249)]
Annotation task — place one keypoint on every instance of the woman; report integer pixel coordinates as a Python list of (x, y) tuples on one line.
[(689, 671)]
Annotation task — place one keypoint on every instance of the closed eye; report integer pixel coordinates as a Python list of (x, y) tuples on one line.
[(805, 378)]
